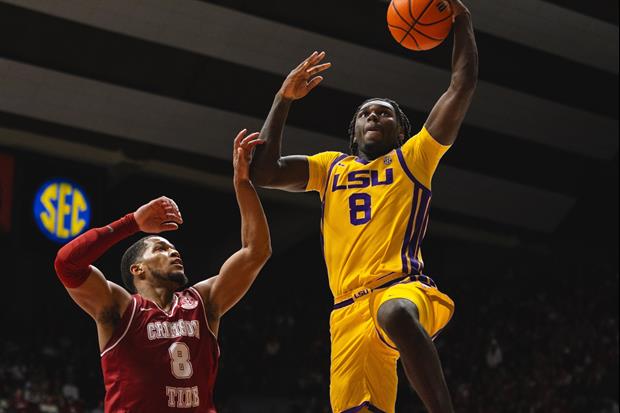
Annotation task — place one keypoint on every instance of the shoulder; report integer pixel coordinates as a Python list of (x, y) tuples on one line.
[(423, 141), (189, 298), (325, 158)]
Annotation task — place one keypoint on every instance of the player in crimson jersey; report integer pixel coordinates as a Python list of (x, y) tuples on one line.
[(159, 350)]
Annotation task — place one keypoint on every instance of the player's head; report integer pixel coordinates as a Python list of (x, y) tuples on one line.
[(155, 261), (378, 126)]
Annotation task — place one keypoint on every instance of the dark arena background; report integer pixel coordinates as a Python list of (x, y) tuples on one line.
[(130, 100)]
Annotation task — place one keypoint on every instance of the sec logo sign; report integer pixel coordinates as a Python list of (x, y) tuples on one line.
[(61, 210)]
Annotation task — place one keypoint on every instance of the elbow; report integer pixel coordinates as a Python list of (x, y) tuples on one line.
[(266, 176), (261, 253), (257, 177), (265, 253), (466, 81), (267, 250), (260, 177)]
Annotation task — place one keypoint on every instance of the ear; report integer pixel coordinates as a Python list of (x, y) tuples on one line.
[(401, 136), (136, 269)]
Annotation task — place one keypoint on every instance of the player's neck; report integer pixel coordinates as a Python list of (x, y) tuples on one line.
[(162, 296), (369, 157)]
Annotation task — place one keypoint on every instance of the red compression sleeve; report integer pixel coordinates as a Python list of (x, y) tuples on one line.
[(73, 260)]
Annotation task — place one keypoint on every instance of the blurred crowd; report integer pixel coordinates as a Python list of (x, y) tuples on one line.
[(519, 342)]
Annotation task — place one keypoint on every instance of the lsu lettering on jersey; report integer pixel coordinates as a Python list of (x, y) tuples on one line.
[(161, 362), (374, 214)]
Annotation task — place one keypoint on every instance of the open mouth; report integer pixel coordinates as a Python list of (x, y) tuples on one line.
[(178, 261), (373, 128)]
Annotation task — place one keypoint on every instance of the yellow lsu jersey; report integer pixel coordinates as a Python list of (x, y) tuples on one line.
[(374, 214)]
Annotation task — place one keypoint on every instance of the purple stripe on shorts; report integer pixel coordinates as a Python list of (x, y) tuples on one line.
[(370, 407)]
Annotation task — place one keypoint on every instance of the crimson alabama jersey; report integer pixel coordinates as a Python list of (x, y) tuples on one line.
[(161, 362)]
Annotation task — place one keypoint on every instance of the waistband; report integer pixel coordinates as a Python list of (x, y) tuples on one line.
[(379, 284)]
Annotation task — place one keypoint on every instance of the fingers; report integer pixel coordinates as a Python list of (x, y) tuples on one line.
[(318, 69), (316, 58), (239, 137), (169, 226), (311, 60), (250, 141), (314, 83), (170, 210), (306, 60), (249, 138), (250, 145)]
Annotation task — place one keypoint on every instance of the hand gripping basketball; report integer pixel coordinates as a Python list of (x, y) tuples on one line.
[(304, 77), (159, 215)]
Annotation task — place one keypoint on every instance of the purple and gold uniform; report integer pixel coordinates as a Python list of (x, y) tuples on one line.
[(374, 218)]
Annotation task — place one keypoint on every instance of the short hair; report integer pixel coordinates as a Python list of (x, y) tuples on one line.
[(130, 257), (401, 118)]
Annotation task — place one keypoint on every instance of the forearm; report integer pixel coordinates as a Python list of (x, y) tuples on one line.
[(254, 228), (73, 260), (266, 158), (464, 55)]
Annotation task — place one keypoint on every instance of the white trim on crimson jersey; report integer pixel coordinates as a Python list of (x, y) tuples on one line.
[(133, 311), (171, 313), (204, 312)]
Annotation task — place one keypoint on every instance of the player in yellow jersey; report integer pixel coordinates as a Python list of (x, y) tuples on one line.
[(375, 204)]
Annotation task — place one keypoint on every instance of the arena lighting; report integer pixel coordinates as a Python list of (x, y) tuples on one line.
[(112, 159), (61, 210)]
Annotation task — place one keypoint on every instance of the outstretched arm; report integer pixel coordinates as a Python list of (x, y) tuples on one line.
[(447, 116), (239, 271), (269, 168), (103, 300)]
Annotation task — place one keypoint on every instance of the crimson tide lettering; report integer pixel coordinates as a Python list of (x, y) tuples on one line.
[(167, 329)]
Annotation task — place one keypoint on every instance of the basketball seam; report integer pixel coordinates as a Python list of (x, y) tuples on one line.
[(426, 35), (414, 39), (415, 20), (435, 22), (399, 15), (398, 27), (403, 19), (407, 34)]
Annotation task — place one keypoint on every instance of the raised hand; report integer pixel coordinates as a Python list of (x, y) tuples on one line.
[(304, 77), (243, 149), (159, 215)]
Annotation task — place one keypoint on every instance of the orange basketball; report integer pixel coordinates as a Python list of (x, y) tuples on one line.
[(419, 24)]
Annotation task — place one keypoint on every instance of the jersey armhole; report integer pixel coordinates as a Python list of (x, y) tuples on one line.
[(329, 174), (403, 163), (109, 346), (204, 313)]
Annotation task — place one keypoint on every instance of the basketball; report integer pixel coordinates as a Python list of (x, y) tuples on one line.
[(419, 24)]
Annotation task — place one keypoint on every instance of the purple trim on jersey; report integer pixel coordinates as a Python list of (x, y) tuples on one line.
[(423, 230), (403, 164), (369, 406), (329, 173), (344, 303), (407, 237), (390, 283), (384, 340), (415, 237), (362, 161)]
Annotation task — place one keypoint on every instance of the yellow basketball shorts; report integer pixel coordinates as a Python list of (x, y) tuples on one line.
[(363, 358)]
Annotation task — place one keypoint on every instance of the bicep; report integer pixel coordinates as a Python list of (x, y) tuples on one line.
[(291, 174), (447, 115), (96, 296)]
